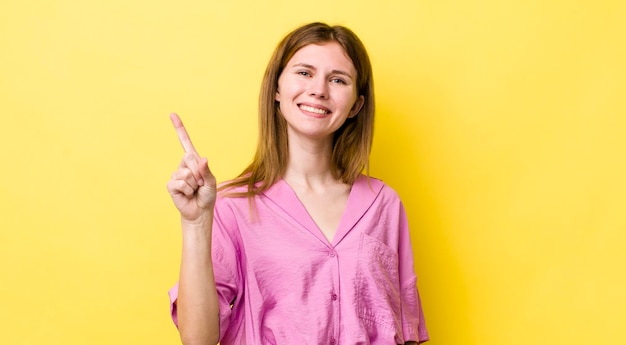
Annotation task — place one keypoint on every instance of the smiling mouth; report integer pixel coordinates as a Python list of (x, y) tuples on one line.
[(314, 110)]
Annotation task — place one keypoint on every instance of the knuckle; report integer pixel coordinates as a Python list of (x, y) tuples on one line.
[(188, 156), (186, 174)]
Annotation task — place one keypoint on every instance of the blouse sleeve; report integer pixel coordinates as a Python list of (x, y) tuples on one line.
[(413, 323), (226, 258)]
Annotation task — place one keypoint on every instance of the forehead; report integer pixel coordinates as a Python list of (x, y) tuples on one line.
[(330, 54)]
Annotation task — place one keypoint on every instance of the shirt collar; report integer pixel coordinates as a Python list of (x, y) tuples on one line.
[(362, 195)]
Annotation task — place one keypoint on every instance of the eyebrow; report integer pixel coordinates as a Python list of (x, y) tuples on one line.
[(335, 71)]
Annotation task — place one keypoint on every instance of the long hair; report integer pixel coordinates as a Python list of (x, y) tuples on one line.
[(352, 142)]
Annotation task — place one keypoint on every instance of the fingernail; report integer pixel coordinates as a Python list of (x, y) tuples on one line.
[(200, 182)]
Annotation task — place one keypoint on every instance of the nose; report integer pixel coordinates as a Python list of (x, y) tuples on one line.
[(318, 88)]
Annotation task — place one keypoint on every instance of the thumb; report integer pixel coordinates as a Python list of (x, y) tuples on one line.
[(205, 173)]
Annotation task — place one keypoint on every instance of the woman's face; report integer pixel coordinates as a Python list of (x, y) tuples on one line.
[(317, 91)]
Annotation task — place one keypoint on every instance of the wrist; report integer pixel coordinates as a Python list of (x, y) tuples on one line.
[(202, 222)]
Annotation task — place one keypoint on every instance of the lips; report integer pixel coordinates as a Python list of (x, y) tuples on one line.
[(314, 110)]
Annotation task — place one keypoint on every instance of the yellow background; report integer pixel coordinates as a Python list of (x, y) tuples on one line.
[(500, 123)]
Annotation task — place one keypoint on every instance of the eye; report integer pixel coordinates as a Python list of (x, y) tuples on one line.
[(304, 73), (338, 81)]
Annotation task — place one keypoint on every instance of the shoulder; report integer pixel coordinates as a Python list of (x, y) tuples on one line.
[(229, 197), (384, 191), (236, 197)]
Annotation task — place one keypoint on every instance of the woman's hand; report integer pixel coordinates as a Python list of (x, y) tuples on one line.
[(192, 186)]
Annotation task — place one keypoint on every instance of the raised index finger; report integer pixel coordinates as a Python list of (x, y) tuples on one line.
[(183, 137)]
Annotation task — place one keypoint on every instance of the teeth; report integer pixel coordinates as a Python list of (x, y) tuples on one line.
[(313, 110)]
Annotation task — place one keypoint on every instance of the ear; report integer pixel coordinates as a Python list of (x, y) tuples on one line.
[(357, 106), (277, 96)]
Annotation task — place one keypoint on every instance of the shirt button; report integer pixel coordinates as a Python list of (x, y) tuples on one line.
[(332, 254), (333, 296), (333, 341)]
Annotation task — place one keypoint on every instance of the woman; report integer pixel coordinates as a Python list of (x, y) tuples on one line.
[(301, 248)]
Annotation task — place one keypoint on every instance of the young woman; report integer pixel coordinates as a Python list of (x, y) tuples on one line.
[(301, 248)]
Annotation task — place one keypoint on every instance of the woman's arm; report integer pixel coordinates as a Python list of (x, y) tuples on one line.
[(197, 306), (193, 190)]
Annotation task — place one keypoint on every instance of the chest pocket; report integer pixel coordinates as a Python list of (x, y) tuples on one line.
[(378, 288)]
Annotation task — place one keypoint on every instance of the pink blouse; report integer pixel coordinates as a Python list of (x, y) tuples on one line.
[(280, 281)]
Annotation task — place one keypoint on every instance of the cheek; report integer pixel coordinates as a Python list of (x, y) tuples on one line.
[(350, 99), (282, 109)]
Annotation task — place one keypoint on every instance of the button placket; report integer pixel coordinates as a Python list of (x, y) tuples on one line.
[(334, 297)]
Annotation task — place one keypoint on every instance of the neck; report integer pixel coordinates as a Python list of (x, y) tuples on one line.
[(309, 162)]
